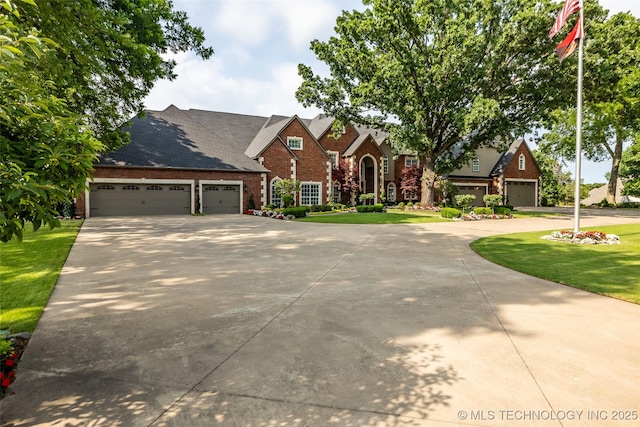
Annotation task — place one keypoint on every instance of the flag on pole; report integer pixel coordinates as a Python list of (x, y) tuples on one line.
[(570, 7), (570, 43)]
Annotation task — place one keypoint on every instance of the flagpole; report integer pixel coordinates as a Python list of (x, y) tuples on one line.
[(576, 203)]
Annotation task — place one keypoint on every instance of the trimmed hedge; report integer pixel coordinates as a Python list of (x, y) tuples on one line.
[(450, 213), (321, 208), (482, 211), (298, 211), (502, 210), (370, 208)]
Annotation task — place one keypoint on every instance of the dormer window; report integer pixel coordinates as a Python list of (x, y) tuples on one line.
[(521, 163), (476, 164), (410, 161), (294, 142)]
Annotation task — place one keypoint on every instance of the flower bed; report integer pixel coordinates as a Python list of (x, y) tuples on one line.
[(472, 216), (583, 237), (10, 351), (266, 213)]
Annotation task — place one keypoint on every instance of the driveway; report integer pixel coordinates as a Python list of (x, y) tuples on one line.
[(237, 320)]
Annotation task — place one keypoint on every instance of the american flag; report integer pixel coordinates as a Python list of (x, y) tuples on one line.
[(570, 43), (570, 6)]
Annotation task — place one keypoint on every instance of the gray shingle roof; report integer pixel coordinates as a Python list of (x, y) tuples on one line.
[(506, 158), (266, 135), (190, 139)]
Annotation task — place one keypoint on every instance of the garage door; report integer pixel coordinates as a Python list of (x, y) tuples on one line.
[(477, 190), (221, 199), (521, 193), (139, 199)]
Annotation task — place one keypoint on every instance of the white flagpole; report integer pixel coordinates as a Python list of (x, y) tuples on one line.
[(576, 203)]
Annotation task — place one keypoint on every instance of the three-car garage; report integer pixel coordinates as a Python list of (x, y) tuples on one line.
[(140, 197)]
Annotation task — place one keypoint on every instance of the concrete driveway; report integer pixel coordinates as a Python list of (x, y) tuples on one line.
[(245, 321)]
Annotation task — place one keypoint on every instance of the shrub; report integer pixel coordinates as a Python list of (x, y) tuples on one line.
[(401, 205), (450, 213), (410, 204), (298, 212), (378, 207), (321, 208), (491, 200), (465, 200), (501, 210), (507, 207), (364, 208), (483, 211)]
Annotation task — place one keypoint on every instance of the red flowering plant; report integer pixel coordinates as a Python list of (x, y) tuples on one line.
[(8, 364)]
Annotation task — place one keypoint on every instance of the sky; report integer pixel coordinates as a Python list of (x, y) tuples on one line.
[(258, 45)]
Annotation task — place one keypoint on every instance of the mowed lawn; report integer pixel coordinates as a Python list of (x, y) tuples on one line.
[(398, 217), (612, 270), (29, 271)]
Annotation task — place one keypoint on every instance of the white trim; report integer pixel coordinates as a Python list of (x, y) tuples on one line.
[(475, 164), (263, 189), (87, 198), (221, 182), (522, 162), (270, 198), (395, 191)]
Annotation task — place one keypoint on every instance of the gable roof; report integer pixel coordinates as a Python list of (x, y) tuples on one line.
[(319, 125), (268, 134), (506, 158), (361, 139), (174, 138)]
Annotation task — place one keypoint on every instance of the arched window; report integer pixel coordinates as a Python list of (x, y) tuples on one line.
[(335, 192), (276, 200), (476, 164), (521, 163), (391, 192)]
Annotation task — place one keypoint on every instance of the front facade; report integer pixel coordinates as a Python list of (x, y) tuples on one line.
[(195, 161)]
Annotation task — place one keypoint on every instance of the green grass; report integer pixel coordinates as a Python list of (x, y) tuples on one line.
[(603, 269), (375, 218), (29, 270)]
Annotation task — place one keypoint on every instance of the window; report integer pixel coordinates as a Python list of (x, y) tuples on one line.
[(521, 164), (391, 192), (130, 187), (310, 193), (385, 164), (105, 187), (410, 161), (276, 200), (211, 188), (335, 192), (176, 188), (476, 164), (154, 188), (294, 142), (334, 158), (230, 188)]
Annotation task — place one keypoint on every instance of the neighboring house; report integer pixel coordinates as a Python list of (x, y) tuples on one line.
[(598, 194), (188, 161)]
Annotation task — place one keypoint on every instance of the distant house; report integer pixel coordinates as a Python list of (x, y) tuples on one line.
[(598, 194), (188, 161)]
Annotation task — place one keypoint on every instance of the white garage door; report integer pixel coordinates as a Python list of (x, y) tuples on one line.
[(139, 199), (521, 193), (221, 199)]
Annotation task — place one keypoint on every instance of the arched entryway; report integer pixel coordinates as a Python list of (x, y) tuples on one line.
[(369, 176)]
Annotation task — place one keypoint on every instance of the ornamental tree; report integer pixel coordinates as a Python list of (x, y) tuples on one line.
[(346, 174), (630, 169), (46, 150), (442, 77), (410, 183)]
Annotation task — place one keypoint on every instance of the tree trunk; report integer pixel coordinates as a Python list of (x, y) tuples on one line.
[(428, 180), (615, 167)]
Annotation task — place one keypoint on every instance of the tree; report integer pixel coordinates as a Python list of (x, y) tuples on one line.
[(555, 181), (287, 189), (347, 175), (110, 55), (442, 77), (611, 95), (46, 150), (410, 183), (630, 169), (465, 200)]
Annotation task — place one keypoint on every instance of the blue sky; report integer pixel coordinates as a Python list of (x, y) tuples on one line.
[(258, 46)]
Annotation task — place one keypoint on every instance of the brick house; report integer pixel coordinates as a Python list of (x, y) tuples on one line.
[(188, 161)]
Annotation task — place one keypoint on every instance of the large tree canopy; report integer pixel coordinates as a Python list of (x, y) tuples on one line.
[(444, 77), (110, 54), (630, 169), (46, 150), (611, 94)]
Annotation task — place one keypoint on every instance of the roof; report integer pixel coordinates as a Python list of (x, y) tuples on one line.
[(266, 135), (597, 194), (506, 158), (192, 139)]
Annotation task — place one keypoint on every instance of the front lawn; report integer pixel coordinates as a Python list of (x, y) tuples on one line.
[(603, 269), (397, 217), (29, 271)]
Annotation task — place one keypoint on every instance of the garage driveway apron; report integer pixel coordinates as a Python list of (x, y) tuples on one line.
[(238, 320)]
